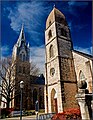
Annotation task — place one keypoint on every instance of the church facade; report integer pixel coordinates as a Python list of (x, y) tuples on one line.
[(33, 85), (64, 66)]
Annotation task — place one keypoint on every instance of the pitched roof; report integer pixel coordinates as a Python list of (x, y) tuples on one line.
[(39, 80), (83, 54), (53, 16)]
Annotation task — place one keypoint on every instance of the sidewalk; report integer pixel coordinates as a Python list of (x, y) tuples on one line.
[(32, 117)]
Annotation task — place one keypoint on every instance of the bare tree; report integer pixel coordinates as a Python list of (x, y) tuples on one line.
[(34, 70), (7, 85)]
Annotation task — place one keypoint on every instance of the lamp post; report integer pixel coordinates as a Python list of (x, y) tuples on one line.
[(36, 109), (92, 105), (21, 88)]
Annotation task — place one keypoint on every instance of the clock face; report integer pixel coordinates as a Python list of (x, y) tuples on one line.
[(52, 71)]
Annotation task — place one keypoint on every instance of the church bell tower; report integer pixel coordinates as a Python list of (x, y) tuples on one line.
[(21, 49), (20, 57), (60, 86)]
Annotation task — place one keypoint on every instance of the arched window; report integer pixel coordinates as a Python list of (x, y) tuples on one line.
[(50, 34), (34, 96), (23, 44), (81, 75), (23, 57), (63, 32), (51, 51), (49, 23), (41, 99)]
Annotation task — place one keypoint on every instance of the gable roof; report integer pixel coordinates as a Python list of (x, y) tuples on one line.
[(83, 54)]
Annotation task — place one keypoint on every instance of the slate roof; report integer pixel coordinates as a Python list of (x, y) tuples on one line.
[(39, 80), (83, 54)]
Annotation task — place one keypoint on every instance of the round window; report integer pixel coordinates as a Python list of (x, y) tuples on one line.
[(52, 71)]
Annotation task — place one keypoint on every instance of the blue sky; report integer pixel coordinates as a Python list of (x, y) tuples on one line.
[(33, 15)]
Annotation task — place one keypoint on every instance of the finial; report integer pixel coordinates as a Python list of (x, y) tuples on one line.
[(22, 26), (54, 6), (28, 45), (21, 36)]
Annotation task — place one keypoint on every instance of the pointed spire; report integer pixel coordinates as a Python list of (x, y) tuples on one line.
[(21, 36), (22, 27), (28, 45)]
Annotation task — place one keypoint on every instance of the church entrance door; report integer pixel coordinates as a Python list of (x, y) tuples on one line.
[(54, 107)]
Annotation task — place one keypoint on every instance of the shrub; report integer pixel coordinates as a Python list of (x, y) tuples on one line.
[(42, 110), (29, 112), (69, 114), (6, 112)]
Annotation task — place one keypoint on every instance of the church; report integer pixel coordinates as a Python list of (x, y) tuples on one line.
[(64, 66), (33, 85)]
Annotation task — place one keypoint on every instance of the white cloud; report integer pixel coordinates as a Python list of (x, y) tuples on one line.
[(70, 24), (5, 50), (78, 3), (84, 50), (37, 55), (74, 6), (73, 26), (31, 14)]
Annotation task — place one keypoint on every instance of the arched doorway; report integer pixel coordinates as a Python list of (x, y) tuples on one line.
[(54, 107)]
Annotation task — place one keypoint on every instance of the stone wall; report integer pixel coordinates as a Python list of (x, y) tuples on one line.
[(70, 90), (83, 64), (67, 70)]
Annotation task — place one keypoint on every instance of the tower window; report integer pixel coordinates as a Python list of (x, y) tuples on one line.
[(51, 51), (81, 76), (23, 44), (49, 23), (50, 34), (23, 57), (63, 32)]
